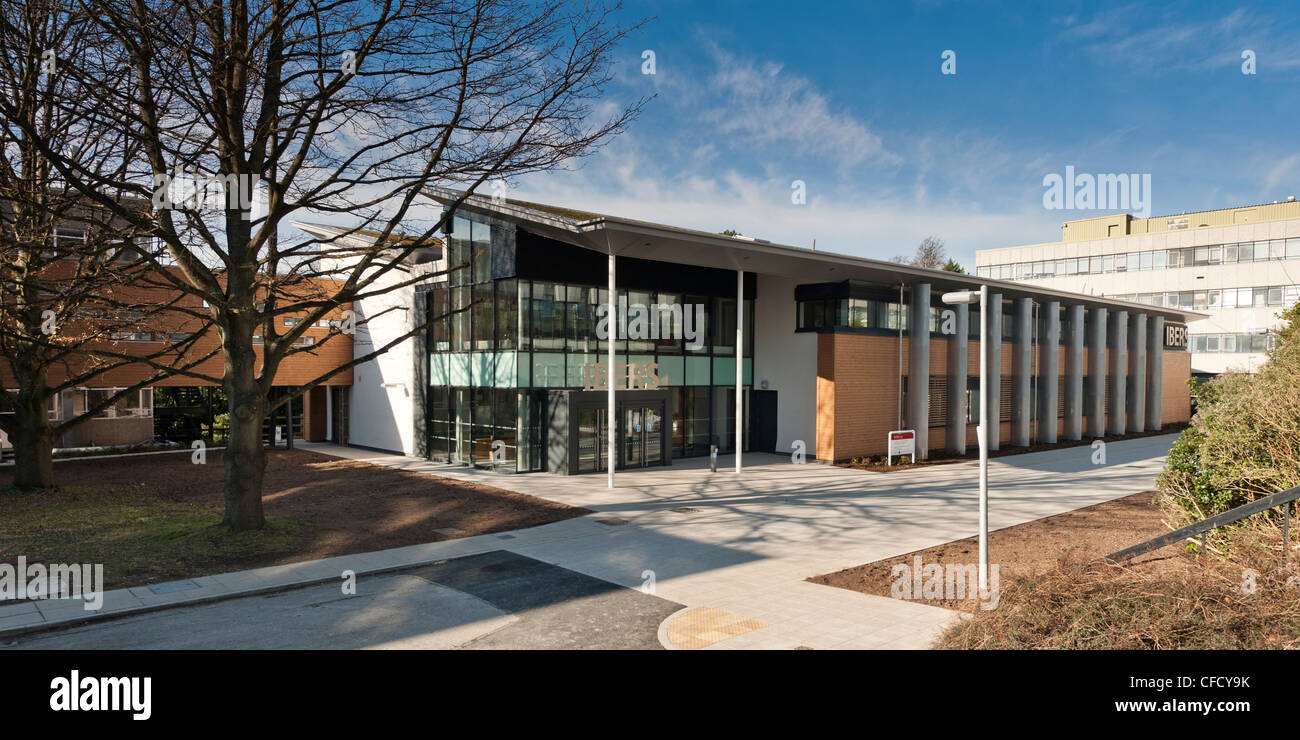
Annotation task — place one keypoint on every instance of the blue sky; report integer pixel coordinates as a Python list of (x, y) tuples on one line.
[(849, 98)]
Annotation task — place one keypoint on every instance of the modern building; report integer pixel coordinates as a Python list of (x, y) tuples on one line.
[(1239, 266), (830, 352)]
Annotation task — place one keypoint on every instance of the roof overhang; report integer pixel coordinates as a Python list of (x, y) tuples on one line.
[(366, 240), (650, 241)]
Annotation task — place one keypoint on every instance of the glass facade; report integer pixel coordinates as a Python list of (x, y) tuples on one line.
[(496, 347)]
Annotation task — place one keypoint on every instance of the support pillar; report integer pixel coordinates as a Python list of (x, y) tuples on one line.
[(1074, 375), (740, 365), (1096, 406), (1118, 372), (1049, 369), (1155, 372), (918, 367), (1137, 373), (958, 349), (611, 450), (993, 369), (1023, 360)]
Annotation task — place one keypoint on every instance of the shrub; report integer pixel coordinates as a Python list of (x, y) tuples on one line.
[(1244, 441)]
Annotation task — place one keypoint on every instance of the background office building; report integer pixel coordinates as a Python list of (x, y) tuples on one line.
[(1240, 266), (836, 350)]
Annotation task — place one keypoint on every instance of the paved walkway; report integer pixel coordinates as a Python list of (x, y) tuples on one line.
[(739, 545)]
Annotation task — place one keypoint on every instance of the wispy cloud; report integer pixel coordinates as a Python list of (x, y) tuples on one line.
[(760, 104), (1182, 45)]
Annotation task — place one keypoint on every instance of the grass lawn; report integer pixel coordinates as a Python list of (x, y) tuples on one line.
[(156, 518)]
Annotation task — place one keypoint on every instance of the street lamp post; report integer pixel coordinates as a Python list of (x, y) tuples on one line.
[(982, 432)]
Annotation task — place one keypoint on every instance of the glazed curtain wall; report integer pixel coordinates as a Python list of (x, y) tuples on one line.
[(495, 346)]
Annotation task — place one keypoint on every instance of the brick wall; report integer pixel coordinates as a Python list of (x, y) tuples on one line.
[(857, 391)]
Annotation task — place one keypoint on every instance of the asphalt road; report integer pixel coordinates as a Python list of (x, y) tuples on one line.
[(496, 600)]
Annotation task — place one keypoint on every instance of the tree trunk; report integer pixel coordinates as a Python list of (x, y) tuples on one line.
[(33, 440), (245, 454)]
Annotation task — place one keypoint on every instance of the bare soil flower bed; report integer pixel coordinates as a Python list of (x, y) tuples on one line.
[(155, 518), (1031, 548)]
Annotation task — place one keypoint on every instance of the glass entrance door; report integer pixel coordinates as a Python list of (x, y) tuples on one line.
[(592, 448), (633, 438), (639, 436), (654, 443), (642, 436)]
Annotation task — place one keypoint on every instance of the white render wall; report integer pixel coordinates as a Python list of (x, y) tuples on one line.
[(380, 413), (1205, 277), (788, 362)]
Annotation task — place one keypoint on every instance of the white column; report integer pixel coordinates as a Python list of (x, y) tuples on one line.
[(611, 450), (985, 429), (740, 362)]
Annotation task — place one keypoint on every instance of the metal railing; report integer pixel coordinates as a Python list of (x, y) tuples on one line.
[(1282, 499)]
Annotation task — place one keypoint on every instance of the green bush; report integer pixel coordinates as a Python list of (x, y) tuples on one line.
[(1244, 441)]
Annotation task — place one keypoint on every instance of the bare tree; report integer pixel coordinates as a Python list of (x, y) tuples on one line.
[(294, 108), (72, 279), (929, 253)]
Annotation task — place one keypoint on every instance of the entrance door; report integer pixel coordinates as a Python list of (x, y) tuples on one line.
[(592, 447), (633, 438), (654, 442), (642, 436)]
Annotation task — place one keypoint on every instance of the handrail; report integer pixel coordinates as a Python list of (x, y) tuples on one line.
[(1213, 522)]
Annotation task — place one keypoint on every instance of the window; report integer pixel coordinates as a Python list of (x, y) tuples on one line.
[(507, 314), (1230, 253), (1144, 261), (460, 341), (972, 400), (1292, 248), (481, 243), (458, 252), (861, 313), (1277, 249), (1275, 296), (292, 321), (130, 336), (133, 404), (481, 316)]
